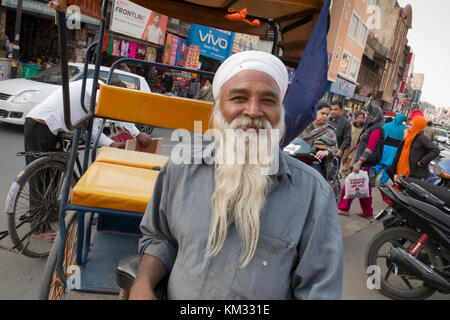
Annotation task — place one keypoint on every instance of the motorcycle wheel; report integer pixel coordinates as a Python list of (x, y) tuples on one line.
[(398, 284)]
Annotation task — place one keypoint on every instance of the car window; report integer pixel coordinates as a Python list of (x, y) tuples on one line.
[(53, 75), (443, 133), (120, 80)]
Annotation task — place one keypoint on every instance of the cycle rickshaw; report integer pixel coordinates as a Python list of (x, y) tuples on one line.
[(99, 214)]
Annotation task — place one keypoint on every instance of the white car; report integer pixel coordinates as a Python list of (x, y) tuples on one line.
[(441, 135), (19, 96)]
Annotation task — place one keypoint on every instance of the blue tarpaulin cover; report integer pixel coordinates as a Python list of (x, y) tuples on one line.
[(310, 81)]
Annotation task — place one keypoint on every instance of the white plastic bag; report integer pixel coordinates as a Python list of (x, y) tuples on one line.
[(357, 185)]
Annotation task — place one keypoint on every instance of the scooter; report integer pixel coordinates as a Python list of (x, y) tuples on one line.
[(441, 173), (302, 151), (412, 253)]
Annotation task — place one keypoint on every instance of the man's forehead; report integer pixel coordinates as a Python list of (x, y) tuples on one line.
[(252, 81)]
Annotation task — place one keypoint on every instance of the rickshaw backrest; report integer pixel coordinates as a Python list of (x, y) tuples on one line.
[(152, 108)]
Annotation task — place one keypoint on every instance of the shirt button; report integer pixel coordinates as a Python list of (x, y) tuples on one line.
[(212, 275)]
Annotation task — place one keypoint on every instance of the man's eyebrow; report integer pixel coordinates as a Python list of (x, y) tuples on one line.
[(269, 93)]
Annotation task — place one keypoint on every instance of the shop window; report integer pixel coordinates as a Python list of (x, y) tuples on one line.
[(347, 12), (338, 53), (362, 35), (344, 64), (354, 69), (352, 30)]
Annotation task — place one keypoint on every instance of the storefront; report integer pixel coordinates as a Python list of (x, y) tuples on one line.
[(39, 34), (342, 89)]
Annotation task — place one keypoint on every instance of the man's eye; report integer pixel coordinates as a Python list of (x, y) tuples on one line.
[(238, 98)]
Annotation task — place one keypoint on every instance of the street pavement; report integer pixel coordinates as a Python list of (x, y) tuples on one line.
[(20, 276)]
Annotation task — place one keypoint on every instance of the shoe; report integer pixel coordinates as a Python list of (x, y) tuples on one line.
[(343, 213), (362, 215)]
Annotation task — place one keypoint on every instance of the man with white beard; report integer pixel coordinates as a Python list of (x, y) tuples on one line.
[(229, 231)]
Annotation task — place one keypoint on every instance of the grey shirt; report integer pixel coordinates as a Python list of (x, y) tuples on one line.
[(299, 253)]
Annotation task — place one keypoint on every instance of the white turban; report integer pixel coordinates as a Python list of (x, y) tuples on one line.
[(251, 60)]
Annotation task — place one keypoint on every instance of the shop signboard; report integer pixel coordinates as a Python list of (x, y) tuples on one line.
[(42, 8), (138, 22), (343, 88), (214, 43)]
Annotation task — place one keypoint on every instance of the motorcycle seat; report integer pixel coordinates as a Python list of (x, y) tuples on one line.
[(427, 209), (439, 192)]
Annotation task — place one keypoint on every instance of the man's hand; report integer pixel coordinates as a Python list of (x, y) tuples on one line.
[(419, 164), (120, 145), (60, 5), (144, 139), (339, 153), (321, 154)]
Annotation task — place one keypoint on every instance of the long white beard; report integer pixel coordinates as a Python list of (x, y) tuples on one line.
[(241, 189)]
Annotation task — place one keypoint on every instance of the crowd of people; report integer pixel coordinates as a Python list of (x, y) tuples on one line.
[(367, 142)]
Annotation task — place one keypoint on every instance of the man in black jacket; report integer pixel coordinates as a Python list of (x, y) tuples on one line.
[(422, 152), (342, 127)]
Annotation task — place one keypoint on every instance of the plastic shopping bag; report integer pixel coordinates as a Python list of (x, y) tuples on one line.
[(357, 185), (118, 133)]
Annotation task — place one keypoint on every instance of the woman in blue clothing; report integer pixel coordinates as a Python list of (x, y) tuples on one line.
[(394, 132)]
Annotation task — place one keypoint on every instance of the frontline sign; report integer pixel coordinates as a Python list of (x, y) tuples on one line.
[(213, 43), (138, 22)]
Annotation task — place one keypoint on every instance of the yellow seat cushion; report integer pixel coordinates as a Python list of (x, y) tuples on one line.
[(117, 187), (131, 158), (153, 109)]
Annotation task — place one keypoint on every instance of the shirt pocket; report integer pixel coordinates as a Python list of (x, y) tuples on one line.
[(268, 275)]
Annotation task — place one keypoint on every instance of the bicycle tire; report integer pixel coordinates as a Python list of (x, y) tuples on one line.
[(50, 284), (19, 197), (372, 253)]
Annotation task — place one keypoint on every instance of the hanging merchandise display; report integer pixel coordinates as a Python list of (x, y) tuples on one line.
[(141, 51), (181, 52), (133, 50), (193, 56), (124, 47), (116, 47), (151, 54)]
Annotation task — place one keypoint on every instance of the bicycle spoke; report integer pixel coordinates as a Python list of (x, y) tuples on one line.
[(389, 272), (408, 284)]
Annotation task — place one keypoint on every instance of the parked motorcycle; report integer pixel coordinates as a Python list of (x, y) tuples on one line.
[(413, 251), (441, 172), (302, 151)]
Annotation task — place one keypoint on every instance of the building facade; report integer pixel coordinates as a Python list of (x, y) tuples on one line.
[(395, 22), (346, 42)]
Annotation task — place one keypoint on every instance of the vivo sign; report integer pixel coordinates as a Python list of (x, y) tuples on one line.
[(213, 43), (209, 38)]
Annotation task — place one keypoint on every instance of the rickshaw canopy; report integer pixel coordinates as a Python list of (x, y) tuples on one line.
[(296, 18)]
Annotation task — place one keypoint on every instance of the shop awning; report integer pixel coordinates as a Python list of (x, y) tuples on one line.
[(295, 17)]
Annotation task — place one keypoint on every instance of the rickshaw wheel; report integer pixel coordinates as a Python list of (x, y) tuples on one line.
[(33, 206), (52, 287)]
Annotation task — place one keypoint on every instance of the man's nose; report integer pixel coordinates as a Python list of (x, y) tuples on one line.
[(253, 109)]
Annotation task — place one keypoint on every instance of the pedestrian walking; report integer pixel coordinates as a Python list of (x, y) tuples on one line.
[(349, 154), (368, 154), (393, 135), (414, 153), (429, 131), (342, 127), (167, 83)]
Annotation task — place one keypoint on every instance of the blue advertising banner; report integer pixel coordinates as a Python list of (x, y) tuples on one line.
[(214, 43)]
